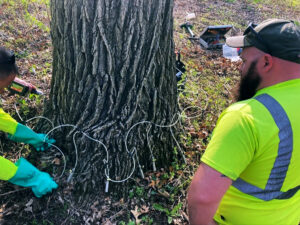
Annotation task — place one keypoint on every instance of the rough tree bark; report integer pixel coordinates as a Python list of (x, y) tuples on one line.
[(112, 68)]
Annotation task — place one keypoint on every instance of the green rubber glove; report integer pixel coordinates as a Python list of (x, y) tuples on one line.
[(29, 176), (28, 136)]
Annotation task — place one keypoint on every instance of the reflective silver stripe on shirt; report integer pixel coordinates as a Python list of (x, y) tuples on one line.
[(282, 161)]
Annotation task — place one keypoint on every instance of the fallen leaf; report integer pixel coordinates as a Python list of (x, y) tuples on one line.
[(164, 194), (203, 134), (152, 184), (29, 203), (56, 161), (144, 209), (61, 200), (136, 214), (28, 209), (194, 134)]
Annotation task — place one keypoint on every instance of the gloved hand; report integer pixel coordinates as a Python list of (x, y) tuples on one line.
[(28, 136), (29, 176)]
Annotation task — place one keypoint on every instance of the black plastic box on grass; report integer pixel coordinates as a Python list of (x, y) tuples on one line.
[(213, 37)]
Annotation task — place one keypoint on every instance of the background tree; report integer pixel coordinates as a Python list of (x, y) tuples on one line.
[(112, 68)]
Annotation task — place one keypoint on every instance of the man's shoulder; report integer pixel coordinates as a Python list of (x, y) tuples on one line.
[(242, 106)]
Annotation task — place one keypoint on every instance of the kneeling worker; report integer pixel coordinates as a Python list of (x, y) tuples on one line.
[(21, 173), (250, 171)]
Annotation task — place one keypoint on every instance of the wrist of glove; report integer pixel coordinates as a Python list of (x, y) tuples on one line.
[(24, 134), (27, 175)]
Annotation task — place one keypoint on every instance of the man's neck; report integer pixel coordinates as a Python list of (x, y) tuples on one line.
[(283, 71)]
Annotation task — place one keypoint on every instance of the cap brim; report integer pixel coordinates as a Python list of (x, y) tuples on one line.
[(237, 42)]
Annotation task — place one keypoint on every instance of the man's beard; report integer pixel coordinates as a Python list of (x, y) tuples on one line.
[(248, 84)]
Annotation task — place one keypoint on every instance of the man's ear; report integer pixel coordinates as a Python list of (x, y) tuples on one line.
[(267, 62)]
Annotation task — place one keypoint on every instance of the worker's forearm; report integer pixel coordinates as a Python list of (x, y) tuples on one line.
[(201, 205), (205, 194), (201, 214)]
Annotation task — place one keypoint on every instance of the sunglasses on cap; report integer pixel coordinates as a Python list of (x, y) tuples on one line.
[(249, 29)]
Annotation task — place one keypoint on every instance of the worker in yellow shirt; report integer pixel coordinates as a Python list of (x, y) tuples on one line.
[(250, 171), (21, 173)]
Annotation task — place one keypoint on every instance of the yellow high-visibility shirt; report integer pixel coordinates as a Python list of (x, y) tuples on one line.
[(7, 169), (256, 144), (8, 125)]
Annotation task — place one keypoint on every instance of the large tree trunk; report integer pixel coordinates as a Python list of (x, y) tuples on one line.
[(112, 68)]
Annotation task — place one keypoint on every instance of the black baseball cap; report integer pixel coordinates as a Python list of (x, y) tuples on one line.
[(278, 37)]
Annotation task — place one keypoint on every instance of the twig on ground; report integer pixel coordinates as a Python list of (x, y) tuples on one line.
[(115, 216), (11, 192)]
